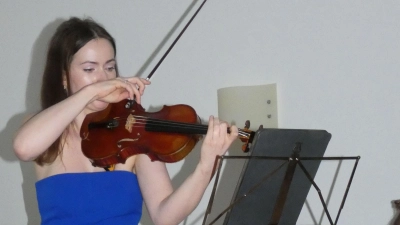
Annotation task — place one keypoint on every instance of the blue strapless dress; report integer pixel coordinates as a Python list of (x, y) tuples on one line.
[(90, 198)]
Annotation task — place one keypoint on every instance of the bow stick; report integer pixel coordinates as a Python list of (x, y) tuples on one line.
[(176, 40)]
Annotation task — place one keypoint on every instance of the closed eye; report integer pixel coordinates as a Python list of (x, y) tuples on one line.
[(88, 70), (110, 69)]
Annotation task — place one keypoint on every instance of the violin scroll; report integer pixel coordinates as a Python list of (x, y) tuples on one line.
[(246, 136)]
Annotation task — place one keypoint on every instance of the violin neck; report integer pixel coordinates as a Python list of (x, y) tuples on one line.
[(155, 125), (184, 128)]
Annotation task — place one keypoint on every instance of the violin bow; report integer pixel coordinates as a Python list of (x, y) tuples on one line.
[(176, 40)]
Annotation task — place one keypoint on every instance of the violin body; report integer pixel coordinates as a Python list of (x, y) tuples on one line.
[(124, 129)]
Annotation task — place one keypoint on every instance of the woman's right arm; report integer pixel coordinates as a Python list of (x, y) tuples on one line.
[(39, 132)]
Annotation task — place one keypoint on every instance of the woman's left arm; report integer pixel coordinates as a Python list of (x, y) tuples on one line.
[(167, 206)]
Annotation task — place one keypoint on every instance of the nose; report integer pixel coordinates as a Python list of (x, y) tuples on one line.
[(102, 75)]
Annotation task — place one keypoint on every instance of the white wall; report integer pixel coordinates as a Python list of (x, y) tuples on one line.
[(335, 63)]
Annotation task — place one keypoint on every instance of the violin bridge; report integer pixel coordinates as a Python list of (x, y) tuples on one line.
[(129, 123)]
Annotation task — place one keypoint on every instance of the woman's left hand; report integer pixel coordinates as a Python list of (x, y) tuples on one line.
[(216, 142)]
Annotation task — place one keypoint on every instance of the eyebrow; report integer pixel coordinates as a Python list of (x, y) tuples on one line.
[(92, 62)]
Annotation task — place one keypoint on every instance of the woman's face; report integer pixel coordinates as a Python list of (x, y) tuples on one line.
[(94, 62)]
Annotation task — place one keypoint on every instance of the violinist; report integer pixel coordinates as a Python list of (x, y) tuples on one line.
[(81, 77)]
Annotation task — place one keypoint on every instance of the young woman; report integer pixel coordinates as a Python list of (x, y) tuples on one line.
[(81, 77)]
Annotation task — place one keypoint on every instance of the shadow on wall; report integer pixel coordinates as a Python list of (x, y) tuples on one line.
[(32, 102), (396, 207), (227, 184)]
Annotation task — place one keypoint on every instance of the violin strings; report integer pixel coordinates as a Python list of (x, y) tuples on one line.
[(142, 121), (157, 122), (165, 123)]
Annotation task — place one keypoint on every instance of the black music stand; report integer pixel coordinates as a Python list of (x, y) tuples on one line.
[(271, 190)]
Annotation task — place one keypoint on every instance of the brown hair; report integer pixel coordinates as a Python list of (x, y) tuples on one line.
[(69, 37)]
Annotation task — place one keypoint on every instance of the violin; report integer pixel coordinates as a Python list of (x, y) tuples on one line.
[(125, 129)]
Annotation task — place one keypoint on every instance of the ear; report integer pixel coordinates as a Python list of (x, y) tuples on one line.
[(64, 80)]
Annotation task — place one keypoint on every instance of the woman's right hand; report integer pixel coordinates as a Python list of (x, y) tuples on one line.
[(118, 89)]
